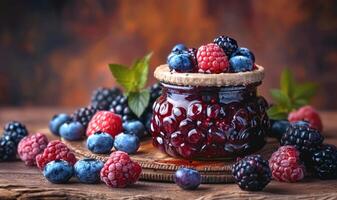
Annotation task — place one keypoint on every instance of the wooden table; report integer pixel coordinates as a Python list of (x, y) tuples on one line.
[(20, 182)]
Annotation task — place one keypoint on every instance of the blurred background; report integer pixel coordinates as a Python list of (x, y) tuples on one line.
[(55, 52)]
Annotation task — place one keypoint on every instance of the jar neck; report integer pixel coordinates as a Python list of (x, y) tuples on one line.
[(225, 94)]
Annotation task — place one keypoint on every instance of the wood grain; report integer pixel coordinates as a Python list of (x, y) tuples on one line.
[(20, 182)]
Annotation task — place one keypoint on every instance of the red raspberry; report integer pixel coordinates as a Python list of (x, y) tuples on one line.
[(30, 146), (105, 121), (212, 59), (285, 165), (56, 150), (307, 113), (120, 171)]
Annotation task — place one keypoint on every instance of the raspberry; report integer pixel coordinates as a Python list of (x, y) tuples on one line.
[(252, 173), (56, 150), (212, 59), (105, 121), (307, 113), (30, 146), (120, 171), (285, 165)]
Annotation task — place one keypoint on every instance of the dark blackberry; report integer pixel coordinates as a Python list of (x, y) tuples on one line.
[(252, 173), (7, 149), (193, 55), (229, 45), (102, 97), (84, 115), (15, 131), (324, 162), (120, 107), (155, 92), (303, 137)]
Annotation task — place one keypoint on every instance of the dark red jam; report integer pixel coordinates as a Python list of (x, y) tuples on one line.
[(209, 123)]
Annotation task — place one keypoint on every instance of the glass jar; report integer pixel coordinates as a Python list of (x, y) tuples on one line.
[(209, 122)]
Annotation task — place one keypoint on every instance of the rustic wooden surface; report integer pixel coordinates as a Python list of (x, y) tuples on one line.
[(20, 182)]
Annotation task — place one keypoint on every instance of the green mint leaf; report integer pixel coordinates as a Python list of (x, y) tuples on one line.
[(277, 113), (299, 103), (280, 98), (305, 91), (124, 76), (141, 69), (138, 101), (287, 82)]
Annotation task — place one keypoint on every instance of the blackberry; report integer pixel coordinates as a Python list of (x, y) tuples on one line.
[(229, 45), (15, 131), (303, 137), (324, 162), (192, 52), (155, 92), (252, 173), (102, 97), (7, 149), (120, 107), (84, 115)]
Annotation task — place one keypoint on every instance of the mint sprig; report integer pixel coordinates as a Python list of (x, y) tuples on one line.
[(133, 79), (290, 96)]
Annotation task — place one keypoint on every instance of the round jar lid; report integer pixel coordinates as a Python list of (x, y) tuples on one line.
[(163, 74)]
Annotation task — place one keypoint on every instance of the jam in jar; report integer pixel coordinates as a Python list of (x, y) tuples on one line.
[(209, 122)]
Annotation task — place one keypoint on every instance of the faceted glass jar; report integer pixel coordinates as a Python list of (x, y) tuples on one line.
[(209, 123)]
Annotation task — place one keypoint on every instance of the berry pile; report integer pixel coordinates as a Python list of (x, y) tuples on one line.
[(221, 56)]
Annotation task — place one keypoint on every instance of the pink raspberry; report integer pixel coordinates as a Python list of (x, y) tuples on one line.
[(307, 113), (105, 121), (212, 59), (30, 146), (56, 150), (120, 171), (285, 165)]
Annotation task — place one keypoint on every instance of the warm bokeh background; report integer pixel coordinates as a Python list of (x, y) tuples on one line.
[(55, 52)]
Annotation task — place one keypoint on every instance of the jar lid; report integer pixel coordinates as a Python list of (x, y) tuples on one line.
[(163, 74)]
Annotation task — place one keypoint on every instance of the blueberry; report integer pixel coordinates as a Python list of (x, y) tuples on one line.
[(100, 142), (187, 179), (134, 128), (88, 170), (240, 64), (242, 51), (127, 143), (278, 127), (179, 47), (180, 61), (72, 130), (58, 171), (56, 122)]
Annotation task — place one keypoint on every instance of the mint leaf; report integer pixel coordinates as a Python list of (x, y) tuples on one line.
[(280, 98), (141, 69), (138, 101), (124, 76), (287, 82), (305, 91), (277, 113)]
